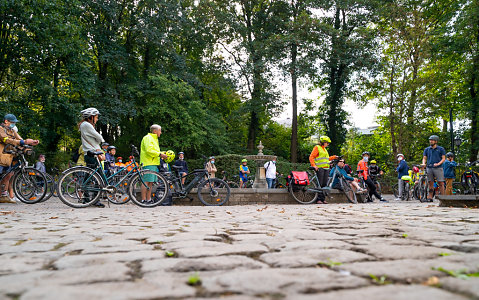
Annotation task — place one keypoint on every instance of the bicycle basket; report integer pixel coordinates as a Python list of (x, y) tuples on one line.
[(299, 178)]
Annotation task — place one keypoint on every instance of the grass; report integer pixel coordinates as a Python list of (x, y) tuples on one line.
[(170, 253), (58, 246), (329, 263), (404, 235), (444, 254), (461, 274), (194, 280), (18, 243), (379, 280)]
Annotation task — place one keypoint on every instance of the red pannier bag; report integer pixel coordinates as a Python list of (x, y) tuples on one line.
[(299, 178)]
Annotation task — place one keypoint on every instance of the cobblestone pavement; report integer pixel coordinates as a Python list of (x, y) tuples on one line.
[(365, 251)]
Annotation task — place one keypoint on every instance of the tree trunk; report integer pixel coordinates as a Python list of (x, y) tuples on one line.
[(294, 124), (474, 114)]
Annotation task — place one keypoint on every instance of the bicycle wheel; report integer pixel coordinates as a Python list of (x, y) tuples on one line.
[(148, 182), (51, 187), (423, 189), (348, 191), (29, 185), (233, 185), (119, 194), (363, 185), (304, 194), (396, 190), (213, 192), (79, 187), (378, 187), (406, 194)]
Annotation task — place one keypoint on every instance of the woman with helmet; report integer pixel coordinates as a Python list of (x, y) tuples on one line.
[(210, 167), (403, 170), (90, 138), (150, 155), (449, 171), (243, 173), (184, 166), (319, 160), (362, 170), (433, 158)]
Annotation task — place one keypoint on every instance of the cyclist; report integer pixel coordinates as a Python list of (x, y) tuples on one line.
[(210, 167), (184, 166), (449, 171), (362, 170), (403, 170), (319, 160), (150, 156), (374, 170), (434, 156), (243, 173), (9, 136), (91, 139)]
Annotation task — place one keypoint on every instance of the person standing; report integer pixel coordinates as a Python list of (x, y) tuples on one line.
[(8, 136), (433, 158), (449, 171), (91, 139), (184, 166), (211, 167), (270, 169), (40, 164), (402, 170), (150, 156), (319, 160), (362, 170), (243, 173)]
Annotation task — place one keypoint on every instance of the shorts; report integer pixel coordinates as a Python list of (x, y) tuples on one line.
[(149, 177), (438, 173), (242, 179), (4, 169)]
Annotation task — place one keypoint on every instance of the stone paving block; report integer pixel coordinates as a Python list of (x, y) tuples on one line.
[(281, 281), (468, 287), (390, 292), (78, 261), (385, 251), (222, 249)]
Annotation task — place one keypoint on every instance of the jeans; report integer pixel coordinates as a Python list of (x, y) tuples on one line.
[(270, 182), (323, 176), (400, 188)]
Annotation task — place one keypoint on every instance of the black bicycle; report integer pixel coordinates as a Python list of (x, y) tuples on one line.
[(29, 184), (211, 191), (470, 179)]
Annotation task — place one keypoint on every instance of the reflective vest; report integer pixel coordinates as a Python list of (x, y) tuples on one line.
[(322, 161)]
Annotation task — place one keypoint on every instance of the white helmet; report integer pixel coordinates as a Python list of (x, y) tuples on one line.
[(400, 154), (91, 111)]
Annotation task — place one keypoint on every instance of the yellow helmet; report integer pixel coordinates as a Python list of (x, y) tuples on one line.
[(373, 161), (171, 156), (324, 139)]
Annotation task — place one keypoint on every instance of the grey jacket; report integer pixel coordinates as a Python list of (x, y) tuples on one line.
[(90, 138)]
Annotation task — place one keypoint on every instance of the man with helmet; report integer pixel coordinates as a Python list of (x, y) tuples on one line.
[(402, 170), (110, 158), (362, 170), (184, 166), (150, 155), (91, 139), (319, 160), (433, 159), (8, 135), (449, 171)]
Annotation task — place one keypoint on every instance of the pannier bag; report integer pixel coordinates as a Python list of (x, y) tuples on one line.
[(298, 178)]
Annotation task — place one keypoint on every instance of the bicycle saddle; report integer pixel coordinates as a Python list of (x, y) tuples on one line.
[(93, 153)]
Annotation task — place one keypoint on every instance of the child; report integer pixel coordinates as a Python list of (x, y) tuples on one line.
[(243, 173), (449, 171)]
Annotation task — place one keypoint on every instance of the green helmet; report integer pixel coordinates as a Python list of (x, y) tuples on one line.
[(171, 156), (324, 139), (434, 138), (244, 160)]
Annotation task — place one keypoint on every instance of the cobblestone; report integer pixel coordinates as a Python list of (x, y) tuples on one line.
[(366, 251)]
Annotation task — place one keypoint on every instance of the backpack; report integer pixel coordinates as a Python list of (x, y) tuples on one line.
[(298, 178)]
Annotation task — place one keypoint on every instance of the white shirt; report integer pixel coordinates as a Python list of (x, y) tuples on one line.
[(270, 169)]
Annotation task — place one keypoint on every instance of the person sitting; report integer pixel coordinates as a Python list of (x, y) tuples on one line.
[(352, 181), (184, 166)]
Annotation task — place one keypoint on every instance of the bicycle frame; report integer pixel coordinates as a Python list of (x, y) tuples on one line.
[(184, 190)]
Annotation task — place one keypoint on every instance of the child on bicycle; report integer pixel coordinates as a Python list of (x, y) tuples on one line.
[(243, 173), (449, 171)]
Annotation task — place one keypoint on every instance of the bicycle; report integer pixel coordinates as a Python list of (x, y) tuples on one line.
[(81, 186), (280, 182), (232, 184), (29, 184), (421, 187), (52, 182), (211, 191), (407, 193), (470, 179)]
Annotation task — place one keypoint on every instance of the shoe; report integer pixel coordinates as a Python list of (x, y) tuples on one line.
[(325, 202), (397, 199), (383, 200), (6, 199), (99, 204)]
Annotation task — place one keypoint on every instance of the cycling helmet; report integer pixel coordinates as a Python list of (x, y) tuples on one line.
[(324, 139), (211, 157), (399, 154), (104, 144), (434, 138), (244, 160), (110, 148), (365, 153), (181, 153), (449, 154), (415, 169), (171, 156), (91, 111), (373, 161)]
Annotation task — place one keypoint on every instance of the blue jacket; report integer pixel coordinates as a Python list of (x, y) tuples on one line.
[(342, 171), (402, 169), (449, 169), (183, 165)]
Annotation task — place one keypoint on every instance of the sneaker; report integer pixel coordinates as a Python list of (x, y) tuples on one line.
[(397, 199), (99, 204), (6, 199), (383, 200)]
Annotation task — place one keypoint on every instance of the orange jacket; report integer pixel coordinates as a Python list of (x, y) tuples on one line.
[(363, 166)]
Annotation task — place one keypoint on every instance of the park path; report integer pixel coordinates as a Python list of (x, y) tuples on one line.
[(365, 251)]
